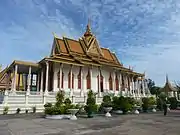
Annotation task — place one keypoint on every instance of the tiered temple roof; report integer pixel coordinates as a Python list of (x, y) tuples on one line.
[(168, 87), (85, 51)]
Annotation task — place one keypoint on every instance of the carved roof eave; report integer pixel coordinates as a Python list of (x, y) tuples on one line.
[(168, 87), (3, 72)]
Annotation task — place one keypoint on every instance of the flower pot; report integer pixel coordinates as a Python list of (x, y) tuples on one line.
[(107, 110), (154, 108), (136, 109), (73, 112)]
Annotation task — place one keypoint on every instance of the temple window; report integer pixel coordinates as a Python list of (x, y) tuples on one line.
[(70, 81), (88, 80), (101, 82), (117, 82), (79, 79), (110, 82), (62, 80)]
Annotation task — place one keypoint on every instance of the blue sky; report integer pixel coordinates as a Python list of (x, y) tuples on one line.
[(143, 33)]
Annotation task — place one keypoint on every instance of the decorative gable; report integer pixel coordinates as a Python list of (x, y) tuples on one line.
[(55, 49), (93, 47)]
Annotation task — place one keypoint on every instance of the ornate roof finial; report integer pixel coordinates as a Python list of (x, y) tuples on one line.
[(54, 34), (88, 29)]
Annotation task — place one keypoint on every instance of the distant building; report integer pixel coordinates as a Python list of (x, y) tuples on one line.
[(169, 90)]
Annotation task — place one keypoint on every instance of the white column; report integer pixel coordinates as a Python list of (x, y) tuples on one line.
[(38, 81), (138, 86), (60, 76), (143, 86), (15, 75), (82, 82), (126, 84), (29, 80), (99, 76), (130, 85), (47, 76), (41, 87), (71, 90), (133, 87)]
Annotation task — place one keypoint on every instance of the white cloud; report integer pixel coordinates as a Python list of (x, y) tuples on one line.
[(144, 34)]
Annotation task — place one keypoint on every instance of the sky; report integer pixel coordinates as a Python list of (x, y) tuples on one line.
[(144, 34)]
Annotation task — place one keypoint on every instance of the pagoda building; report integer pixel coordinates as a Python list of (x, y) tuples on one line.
[(75, 66), (168, 89)]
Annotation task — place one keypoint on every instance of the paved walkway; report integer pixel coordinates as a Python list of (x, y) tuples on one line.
[(143, 124)]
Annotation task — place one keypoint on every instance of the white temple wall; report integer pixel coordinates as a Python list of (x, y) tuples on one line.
[(105, 71)]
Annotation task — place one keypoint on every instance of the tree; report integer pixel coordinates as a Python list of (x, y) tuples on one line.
[(155, 90), (150, 83), (178, 88)]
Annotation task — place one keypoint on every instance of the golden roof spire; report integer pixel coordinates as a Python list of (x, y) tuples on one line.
[(88, 29)]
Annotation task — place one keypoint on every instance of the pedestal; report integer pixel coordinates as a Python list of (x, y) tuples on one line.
[(136, 112), (73, 112), (107, 110)]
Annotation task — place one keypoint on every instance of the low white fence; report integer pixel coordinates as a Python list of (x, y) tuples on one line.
[(24, 100)]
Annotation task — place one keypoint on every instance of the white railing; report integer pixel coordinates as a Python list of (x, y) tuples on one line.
[(22, 97)]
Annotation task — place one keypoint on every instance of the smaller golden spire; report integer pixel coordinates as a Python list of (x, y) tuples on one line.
[(54, 34), (167, 80)]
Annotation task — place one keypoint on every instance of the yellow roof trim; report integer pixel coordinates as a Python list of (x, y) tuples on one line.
[(18, 62), (65, 62)]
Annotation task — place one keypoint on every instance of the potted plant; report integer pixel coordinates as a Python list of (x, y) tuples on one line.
[(107, 105), (145, 104), (153, 103), (116, 102), (61, 109), (6, 109), (18, 110), (91, 106)]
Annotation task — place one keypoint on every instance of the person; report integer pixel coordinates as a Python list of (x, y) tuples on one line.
[(165, 108)]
